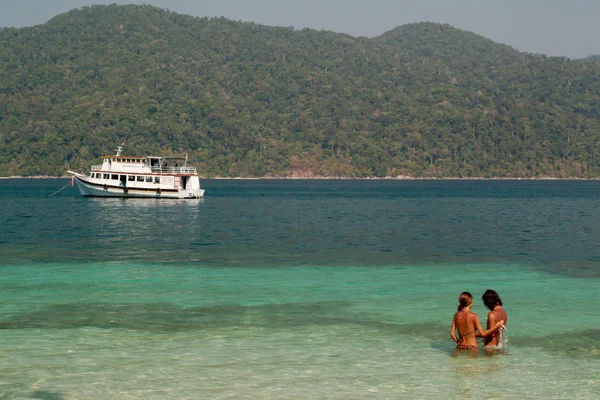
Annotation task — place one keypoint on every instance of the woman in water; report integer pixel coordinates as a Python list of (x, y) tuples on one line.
[(467, 324), (493, 303)]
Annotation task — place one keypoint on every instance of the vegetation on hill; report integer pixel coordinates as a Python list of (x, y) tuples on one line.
[(593, 58), (247, 100)]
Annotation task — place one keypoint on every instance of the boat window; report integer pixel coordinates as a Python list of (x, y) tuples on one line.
[(123, 177), (156, 179), (148, 179), (130, 178), (115, 177), (106, 176), (140, 179)]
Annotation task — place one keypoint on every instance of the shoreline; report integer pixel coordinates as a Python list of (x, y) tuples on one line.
[(332, 178)]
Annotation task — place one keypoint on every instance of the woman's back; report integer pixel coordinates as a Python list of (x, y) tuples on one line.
[(466, 325)]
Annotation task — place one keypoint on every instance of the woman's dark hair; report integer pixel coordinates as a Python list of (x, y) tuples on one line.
[(464, 300), (491, 299)]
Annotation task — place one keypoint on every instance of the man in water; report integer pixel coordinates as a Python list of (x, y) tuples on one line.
[(493, 303)]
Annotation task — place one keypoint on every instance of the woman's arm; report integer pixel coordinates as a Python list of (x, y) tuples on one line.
[(491, 320), (453, 331), (481, 332)]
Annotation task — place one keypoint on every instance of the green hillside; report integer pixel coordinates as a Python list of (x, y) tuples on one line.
[(593, 58), (249, 100)]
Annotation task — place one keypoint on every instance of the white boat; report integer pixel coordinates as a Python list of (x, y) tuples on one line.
[(128, 176)]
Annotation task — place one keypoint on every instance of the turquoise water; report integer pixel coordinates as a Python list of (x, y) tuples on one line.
[(298, 290)]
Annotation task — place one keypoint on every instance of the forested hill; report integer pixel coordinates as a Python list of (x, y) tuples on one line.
[(248, 100), (593, 58)]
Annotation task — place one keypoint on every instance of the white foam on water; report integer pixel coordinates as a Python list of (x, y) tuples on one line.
[(502, 340)]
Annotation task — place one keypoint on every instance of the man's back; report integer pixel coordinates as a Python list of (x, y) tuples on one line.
[(497, 314)]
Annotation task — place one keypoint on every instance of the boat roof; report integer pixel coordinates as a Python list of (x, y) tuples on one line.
[(142, 158), (114, 156)]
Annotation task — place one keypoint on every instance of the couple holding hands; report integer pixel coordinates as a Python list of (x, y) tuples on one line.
[(466, 323)]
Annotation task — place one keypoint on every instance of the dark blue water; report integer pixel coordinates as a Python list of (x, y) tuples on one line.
[(554, 225)]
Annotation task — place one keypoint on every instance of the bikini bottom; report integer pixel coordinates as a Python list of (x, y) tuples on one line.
[(466, 347)]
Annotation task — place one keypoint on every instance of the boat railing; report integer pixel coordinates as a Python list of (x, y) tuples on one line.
[(174, 170), (96, 167)]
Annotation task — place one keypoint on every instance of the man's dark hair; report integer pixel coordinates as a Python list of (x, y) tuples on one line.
[(491, 299)]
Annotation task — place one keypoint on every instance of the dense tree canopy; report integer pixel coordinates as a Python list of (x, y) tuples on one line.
[(242, 99), (593, 58)]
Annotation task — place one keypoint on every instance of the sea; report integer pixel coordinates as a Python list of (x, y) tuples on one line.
[(298, 289)]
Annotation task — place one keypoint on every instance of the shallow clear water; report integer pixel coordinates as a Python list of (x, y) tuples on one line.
[(298, 289)]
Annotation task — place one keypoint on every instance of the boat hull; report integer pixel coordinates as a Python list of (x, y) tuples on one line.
[(90, 189)]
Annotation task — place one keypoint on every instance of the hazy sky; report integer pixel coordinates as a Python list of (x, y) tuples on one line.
[(554, 27)]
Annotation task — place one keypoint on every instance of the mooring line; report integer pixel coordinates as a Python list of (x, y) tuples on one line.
[(61, 189)]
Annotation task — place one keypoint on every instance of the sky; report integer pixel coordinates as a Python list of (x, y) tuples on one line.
[(567, 28)]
